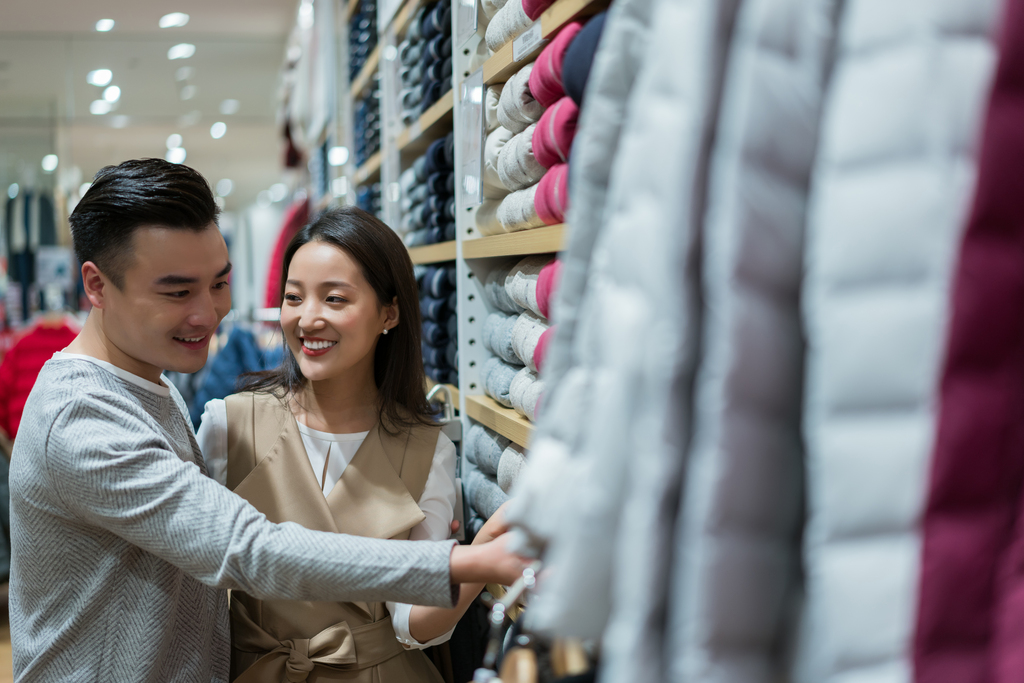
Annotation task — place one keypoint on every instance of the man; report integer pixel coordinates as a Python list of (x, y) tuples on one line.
[(122, 546)]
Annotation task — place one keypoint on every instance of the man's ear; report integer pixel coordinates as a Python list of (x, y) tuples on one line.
[(97, 285)]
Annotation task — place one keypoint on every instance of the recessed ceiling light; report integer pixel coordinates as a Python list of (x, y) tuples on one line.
[(218, 129), (229, 107), (104, 25), (112, 94), (306, 14), (100, 107), (50, 163), (184, 73), (176, 155), (173, 141), (181, 51), (173, 20), (337, 156), (188, 92), (99, 77), (224, 187)]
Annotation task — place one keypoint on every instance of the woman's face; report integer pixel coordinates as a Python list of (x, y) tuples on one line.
[(330, 314)]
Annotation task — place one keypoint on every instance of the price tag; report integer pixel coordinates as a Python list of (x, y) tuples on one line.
[(527, 42), (471, 145)]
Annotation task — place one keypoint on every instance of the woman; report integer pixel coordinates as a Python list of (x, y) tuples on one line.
[(339, 438)]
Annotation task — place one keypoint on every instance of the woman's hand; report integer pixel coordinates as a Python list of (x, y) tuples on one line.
[(489, 562)]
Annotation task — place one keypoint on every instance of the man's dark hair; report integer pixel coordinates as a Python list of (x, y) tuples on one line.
[(130, 195)]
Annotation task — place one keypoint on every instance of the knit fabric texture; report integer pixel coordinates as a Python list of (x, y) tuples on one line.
[(517, 107), (123, 546), (517, 166)]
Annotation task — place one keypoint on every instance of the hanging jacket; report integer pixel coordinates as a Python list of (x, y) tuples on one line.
[(21, 366), (241, 354)]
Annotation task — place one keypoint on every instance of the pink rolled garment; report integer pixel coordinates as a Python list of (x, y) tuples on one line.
[(552, 139), (541, 349), (547, 281), (534, 8), (546, 79), (552, 199)]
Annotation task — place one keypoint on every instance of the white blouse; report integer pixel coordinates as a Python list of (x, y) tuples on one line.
[(437, 501)]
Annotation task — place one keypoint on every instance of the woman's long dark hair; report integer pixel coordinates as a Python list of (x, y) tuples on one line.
[(385, 263)]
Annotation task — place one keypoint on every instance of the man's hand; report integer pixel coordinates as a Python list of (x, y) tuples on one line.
[(487, 562), (493, 527)]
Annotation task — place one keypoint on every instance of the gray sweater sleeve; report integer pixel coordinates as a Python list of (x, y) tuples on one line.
[(112, 470)]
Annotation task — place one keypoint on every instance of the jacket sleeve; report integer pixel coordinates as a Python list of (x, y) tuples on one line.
[(111, 469)]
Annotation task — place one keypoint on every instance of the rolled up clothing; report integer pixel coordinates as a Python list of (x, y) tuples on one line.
[(453, 302), (517, 107), (491, 100), (534, 8), (437, 282), (433, 355), (485, 496), (546, 82), (541, 350), (524, 392), (494, 289), (494, 188), (449, 205), (517, 167), (555, 132), (521, 281), (526, 334), (510, 21), (484, 448), (409, 51), (420, 167), (436, 235), (410, 97), (416, 195), (547, 282), (517, 211), (434, 333), (579, 58), (449, 149), (417, 238), (497, 337), (486, 219), (497, 378), (552, 196), (435, 158), (434, 309), (511, 464), (440, 375), (451, 353), (431, 93), (450, 231), (491, 7), (452, 327), (437, 183), (407, 181)]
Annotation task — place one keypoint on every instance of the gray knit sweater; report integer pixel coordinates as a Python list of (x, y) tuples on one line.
[(122, 546)]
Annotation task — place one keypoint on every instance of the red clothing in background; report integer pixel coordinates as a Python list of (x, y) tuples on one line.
[(294, 219), (21, 366)]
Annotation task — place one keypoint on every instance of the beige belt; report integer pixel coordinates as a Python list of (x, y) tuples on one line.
[(337, 646)]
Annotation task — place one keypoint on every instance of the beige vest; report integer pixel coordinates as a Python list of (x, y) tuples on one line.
[(277, 641)]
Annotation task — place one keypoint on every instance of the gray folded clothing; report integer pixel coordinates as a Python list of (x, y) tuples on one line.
[(491, 107), (517, 167), (495, 291), (491, 7), (524, 392), (498, 337), (512, 462), (517, 211), (485, 496), (497, 378), (526, 333), (506, 24), (484, 447), (494, 187), (517, 108), (521, 283)]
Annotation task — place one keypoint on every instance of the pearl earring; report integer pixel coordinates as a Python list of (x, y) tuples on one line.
[(385, 330)]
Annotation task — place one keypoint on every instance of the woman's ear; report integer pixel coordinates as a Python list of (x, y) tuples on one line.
[(391, 314)]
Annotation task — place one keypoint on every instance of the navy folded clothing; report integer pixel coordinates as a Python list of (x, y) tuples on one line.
[(436, 161), (579, 57), (449, 150), (435, 356), (438, 281), (434, 309), (437, 183), (435, 335), (452, 327)]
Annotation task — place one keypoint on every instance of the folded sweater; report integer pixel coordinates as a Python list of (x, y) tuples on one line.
[(517, 168), (546, 79), (497, 337), (552, 196), (509, 466), (526, 334), (486, 218), (517, 211), (497, 377), (491, 100), (542, 348), (517, 107), (521, 281), (547, 282), (552, 140), (484, 448), (525, 392), (494, 289), (494, 187)]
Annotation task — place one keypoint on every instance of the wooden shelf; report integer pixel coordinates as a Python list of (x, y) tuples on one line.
[(537, 241), (368, 171), (362, 81), (418, 136), (505, 421), (433, 253), (501, 66), (350, 9)]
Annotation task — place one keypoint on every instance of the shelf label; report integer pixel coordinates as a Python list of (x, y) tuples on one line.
[(466, 21), (471, 145), (527, 42)]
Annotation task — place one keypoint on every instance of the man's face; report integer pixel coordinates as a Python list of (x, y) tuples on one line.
[(175, 293)]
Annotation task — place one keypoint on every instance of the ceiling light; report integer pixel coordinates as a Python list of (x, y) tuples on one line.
[(83, 188), (12, 190), (263, 199), (306, 14), (112, 94), (104, 25), (278, 191), (99, 77), (337, 156), (100, 107), (224, 187), (218, 129), (173, 141), (229, 107), (188, 92), (173, 20), (50, 163), (181, 51), (184, 73), (176, 155)]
